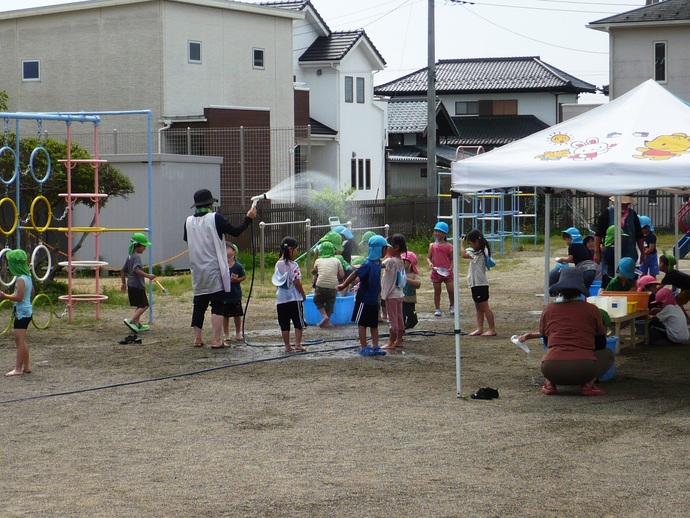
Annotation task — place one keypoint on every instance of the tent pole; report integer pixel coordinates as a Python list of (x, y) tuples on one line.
[(455, 201), (676, 251), (547, 242), (617, 240)]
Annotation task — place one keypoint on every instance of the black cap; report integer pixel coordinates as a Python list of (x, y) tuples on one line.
[(202, 198)]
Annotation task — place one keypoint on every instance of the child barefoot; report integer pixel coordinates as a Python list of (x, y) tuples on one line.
[(23, 293), (392, 292), (232, 306), (440, 260), (478, 254), (290, 294)]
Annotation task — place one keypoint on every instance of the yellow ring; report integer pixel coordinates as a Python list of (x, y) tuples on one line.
[(50, 213), (50, 306), (9, 324), (16, 217)]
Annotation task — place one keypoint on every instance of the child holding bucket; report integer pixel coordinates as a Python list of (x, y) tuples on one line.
[(22, 296), (440, 260), (290, 294)]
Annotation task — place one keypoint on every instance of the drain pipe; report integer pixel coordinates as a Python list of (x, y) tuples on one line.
[(160, 130)]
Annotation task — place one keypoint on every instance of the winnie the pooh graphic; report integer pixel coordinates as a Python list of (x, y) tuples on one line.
[(665, 147)]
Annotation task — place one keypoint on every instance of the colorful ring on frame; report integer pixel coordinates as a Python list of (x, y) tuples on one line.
[(33, 263), (31, 164), (16, 216), (6, 284), (50, 306), (50, 213), (16, 169)]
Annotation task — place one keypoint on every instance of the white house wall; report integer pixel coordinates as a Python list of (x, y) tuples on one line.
[(632, 58), (226, 75), (362, 128)]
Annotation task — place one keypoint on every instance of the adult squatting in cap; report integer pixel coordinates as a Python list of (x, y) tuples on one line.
[(376, 245), (571, 279), (138, 239), (575, 234), (412, 257), (17, 262)]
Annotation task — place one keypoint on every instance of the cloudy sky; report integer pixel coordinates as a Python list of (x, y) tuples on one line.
[(555, 30)]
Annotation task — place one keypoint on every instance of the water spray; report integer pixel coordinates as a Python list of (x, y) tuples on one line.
[(256, 199)]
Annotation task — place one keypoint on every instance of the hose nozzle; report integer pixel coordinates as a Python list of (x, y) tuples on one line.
[(256, 199)]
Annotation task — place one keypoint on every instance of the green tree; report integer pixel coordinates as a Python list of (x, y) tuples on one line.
[(110, 180), (3, 101), (329, 203)]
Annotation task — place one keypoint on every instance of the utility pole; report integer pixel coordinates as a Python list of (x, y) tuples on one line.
[(432, 177)]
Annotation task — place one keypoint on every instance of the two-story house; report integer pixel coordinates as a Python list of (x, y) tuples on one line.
[(650, 42), (194, 63), (334, 79)]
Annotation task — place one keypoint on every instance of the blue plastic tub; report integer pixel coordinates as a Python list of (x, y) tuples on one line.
[(611, 343), (342, 314), (594, 288)]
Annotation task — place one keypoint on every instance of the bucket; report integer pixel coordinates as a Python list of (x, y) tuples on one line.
[(614, 306), (594, 288), (342, 313), (611, 343)]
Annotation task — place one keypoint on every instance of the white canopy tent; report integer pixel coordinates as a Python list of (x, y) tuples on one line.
[(636, 142)]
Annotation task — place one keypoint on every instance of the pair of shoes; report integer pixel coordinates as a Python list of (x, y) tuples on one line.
[(592, 390), (131, 339), (378, 351), (144, 327), (132, 326), (437, 313), (485, 393), (548, 388), (367, 351), (451, 310)]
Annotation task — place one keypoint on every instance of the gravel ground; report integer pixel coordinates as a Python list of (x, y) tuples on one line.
[(164, 429)]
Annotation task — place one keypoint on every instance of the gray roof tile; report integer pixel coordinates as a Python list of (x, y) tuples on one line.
[(668, 11), (335, 46), (488, 75), (494, 130)]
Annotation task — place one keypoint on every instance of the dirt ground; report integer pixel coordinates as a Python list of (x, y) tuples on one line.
[(164, 429)]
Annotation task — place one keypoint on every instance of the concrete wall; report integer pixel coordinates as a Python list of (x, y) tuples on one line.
[(175, 178), (632, 58)]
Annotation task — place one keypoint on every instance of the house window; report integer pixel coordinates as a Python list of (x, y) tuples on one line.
[(31, 70), (349, 96), (360, 90), (652, 197), (467, 108), (258, 58), (194, 51), (360, 174), (422, 172), (660, 61)]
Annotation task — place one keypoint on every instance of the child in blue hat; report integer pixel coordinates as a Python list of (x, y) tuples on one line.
[(440, 260), (623, 281), (366, 312)]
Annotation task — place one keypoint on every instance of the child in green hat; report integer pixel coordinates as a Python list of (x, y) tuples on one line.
[(132, 276), (22, 296)]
